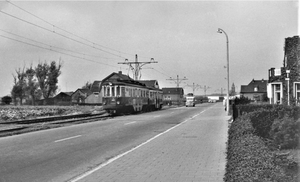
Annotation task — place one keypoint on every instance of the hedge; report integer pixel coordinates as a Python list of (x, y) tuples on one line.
[(248, 158)]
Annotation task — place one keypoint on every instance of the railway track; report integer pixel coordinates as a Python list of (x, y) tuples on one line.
[(29, 125)]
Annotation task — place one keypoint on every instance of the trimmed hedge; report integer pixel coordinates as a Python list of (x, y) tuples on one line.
[(248, 158), (262, 118)]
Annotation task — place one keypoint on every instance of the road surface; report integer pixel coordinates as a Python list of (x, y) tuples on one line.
[(64, 154)]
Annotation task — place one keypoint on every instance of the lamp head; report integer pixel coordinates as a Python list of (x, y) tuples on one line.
[(220, 30)]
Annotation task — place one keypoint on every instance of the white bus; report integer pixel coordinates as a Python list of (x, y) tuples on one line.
[(190, 101)]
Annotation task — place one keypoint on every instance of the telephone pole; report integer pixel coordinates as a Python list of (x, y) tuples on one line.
[(205, 88), (177, 80), (194, 87), (136, 66)]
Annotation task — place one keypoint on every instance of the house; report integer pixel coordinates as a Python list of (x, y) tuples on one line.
[(150, 83), (80, 96), (256, 90), (173, 96), (63, 98), (284, 82), (96, 96)]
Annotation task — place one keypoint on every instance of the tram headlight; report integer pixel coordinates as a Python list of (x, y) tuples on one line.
[(118, 102)]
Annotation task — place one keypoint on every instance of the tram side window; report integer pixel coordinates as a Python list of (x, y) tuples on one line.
[(108, 91), (130, 92), (104, 91), (112, 91), (122, 92), (118, 90)]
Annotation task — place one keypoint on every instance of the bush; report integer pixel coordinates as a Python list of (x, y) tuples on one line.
[(6, 100), (285, 133), (248, 159)]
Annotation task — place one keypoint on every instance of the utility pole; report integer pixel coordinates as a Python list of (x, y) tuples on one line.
[(177, 80), (205, 88), (136, 66), (194, 87)]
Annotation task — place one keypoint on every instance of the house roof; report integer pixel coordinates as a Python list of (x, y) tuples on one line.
[(150, 83), (96, 86), (119, 78), (255, 86), (173, 90), (84, 91), (65, 93)]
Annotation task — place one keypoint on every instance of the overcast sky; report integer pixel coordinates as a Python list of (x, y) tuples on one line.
[(92, 37)]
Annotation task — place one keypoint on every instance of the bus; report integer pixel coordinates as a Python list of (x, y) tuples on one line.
[(190, 101)]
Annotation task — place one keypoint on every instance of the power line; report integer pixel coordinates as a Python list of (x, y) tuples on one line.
[(177, 80), (53, 46), (138, 66), (54, 26), (55, 51), (52, 31)]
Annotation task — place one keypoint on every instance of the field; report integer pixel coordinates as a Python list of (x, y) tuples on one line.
[(9, 114), (14, 113)]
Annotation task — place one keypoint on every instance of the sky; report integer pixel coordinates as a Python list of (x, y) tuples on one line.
[(91, 38)]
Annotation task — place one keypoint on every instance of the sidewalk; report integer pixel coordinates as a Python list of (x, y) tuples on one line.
[(193, 151)]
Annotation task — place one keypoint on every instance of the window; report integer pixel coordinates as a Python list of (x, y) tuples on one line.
[(108, 91), (277, 72), (255, 89), (297, 92), (112, 91), (118, 91), (123, 92)]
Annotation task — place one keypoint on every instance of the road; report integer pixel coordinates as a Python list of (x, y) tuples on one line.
[(63, 153)]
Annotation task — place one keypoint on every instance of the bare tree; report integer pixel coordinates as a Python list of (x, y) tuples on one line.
[(19, 87)]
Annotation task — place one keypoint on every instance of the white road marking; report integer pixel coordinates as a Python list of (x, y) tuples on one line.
[(125, 153), (64, 139), (157, 116), (130, 123)]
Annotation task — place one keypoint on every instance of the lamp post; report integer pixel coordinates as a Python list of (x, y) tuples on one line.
[(227, 43)]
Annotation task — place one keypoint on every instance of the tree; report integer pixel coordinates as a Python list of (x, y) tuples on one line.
[(47, 76), (6, 100), (18, 90), (87, 85), (32, 85)]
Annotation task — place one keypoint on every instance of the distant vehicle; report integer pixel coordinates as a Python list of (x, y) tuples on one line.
[(190, 101), (212, 100)]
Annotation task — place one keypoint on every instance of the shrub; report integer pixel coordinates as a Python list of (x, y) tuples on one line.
[(248, 159), (285, 132)]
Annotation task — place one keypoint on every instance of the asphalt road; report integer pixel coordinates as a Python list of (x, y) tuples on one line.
[(63, 153)]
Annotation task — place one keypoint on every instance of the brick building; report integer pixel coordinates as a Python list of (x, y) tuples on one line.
[(284, 82)]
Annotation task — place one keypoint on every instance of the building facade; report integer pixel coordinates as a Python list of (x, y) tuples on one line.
[(284, 82), (256, 90), (173, 96)]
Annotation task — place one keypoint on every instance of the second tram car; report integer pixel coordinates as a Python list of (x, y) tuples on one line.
[(122, 94)]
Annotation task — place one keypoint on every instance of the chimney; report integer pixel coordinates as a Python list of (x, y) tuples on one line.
[(120, 72)]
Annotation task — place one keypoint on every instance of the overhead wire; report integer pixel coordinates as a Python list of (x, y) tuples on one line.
[(54, 26), (52, 31), (67, 37), (56, 51), (53, 46)]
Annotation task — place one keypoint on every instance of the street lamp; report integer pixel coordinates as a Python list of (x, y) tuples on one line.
[(227, 42)]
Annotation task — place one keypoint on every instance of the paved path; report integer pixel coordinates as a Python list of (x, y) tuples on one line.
[(192, 151)]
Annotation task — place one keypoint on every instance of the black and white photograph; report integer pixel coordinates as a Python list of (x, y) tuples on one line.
[(149, 91)]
